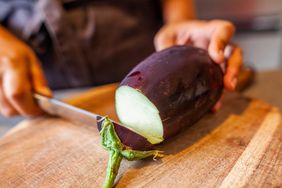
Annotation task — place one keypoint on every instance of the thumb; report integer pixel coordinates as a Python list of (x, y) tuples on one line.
[(221, 34), (164, 39), (38, 79)]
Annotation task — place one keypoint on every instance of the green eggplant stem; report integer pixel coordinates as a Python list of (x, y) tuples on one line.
[(112, 169), (118, 151)]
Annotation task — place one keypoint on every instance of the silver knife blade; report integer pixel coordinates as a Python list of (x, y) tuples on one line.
[(66, 111)]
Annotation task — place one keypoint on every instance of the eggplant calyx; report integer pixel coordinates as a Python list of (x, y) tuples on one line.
[(118, 151)]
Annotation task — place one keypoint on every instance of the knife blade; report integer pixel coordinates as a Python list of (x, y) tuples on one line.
[(77, 115), (66, 111)]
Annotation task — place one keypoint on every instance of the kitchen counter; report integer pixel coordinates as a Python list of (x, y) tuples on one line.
[(236, 147), (267, 87)]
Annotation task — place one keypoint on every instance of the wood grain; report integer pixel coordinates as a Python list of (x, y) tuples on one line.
[(241, 146), (254, 152)]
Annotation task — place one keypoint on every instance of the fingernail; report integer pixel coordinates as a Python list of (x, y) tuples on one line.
[(45, 91), (234, 82), (217, 106), (221, 55)]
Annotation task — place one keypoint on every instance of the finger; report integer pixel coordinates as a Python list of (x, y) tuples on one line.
[(38, 80), (218, 105), (183, 38), (164, 39), (222, 32), (17, 89), (233, 66), (5, 107), (201, 43)]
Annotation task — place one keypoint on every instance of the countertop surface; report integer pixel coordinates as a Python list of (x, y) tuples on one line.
[(239, 146), (267, 87)]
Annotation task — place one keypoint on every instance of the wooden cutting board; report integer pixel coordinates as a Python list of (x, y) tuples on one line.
[(241, 146)]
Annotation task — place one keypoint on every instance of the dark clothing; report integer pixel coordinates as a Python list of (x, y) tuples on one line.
[(84, 42)]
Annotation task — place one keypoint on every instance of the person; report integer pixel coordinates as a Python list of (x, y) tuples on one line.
[(73, 43)]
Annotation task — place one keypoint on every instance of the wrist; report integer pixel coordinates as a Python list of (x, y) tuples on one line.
[(175, 11)]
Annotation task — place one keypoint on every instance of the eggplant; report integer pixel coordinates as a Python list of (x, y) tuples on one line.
[(169, 90), (166, 92)]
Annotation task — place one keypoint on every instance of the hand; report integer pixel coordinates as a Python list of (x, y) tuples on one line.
[(213, 36), (21, 75)]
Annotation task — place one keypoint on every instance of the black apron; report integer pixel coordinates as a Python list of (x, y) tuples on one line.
[(86, 43)]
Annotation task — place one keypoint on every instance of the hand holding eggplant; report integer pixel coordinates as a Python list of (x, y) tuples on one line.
[(214, 36)]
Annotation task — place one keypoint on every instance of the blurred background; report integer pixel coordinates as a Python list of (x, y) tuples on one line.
[(259, 33), (258, 28)]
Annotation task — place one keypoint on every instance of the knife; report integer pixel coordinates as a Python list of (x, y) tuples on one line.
[(77, 115)]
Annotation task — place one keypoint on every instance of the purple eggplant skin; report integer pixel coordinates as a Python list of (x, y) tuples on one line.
[(183, 83), (129, 138)]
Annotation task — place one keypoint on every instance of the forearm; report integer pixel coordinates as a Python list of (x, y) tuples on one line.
[(8, 39), (2, 31), (178, 10), (5, 34)]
